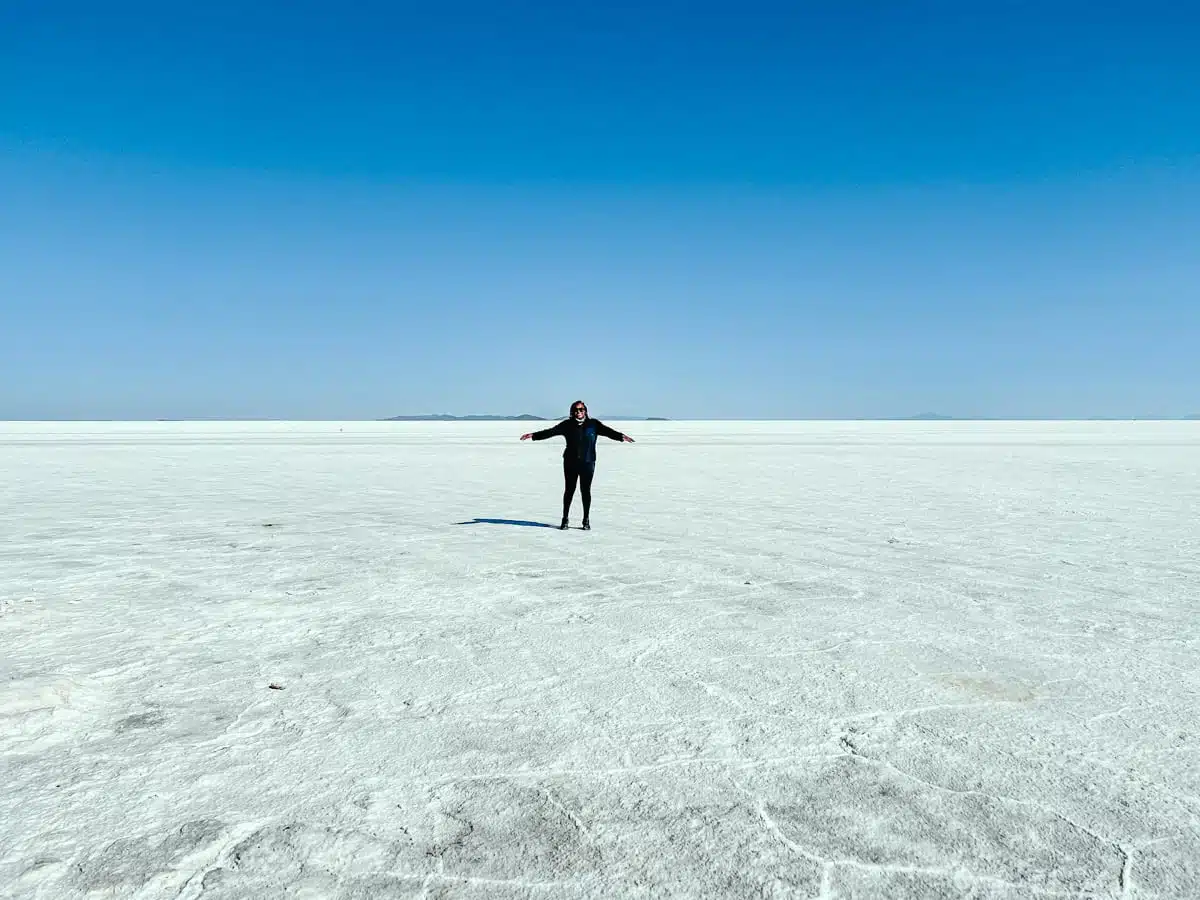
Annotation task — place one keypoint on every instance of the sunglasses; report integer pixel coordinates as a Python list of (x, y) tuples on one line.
[(576, 409)]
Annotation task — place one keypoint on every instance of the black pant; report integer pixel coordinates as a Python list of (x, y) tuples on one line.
[(575, 470)]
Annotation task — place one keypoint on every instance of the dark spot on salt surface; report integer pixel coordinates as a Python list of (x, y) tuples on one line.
[(151, 719), (275, 687)]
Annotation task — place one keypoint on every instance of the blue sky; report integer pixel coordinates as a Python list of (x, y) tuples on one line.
[(693, 210)]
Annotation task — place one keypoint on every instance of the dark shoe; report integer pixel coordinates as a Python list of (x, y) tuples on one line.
[(563, 526), (587, 526)]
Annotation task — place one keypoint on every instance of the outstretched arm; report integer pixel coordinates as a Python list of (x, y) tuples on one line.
[(544, 433), (612, 433)]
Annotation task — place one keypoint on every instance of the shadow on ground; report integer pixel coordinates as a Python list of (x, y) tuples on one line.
[(520, 522)]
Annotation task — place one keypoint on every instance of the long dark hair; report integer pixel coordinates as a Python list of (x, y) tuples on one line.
[(571, 414)]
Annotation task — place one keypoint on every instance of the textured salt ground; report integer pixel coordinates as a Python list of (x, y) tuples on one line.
[(794, 660)]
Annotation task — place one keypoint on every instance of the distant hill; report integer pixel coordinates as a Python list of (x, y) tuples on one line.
[(928, 417), (446, 418), (1194, 417)]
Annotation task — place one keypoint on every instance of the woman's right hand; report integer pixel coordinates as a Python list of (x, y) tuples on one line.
[(526, 437)]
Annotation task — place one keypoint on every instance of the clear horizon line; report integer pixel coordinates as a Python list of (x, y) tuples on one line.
[(621, 418)]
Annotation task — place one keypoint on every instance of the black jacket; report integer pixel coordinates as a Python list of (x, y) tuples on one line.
[(581, 437)]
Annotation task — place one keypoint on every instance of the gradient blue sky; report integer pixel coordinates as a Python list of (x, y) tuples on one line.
[(751, 210)]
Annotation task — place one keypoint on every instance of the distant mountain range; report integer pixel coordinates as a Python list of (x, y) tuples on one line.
[(442, 417), (937, 417), (919, 417), (526, 417)]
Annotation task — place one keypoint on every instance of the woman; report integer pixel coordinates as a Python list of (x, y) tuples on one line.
[(579, 458)]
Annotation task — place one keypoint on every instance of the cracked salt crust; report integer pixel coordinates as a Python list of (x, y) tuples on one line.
[(791, 660)]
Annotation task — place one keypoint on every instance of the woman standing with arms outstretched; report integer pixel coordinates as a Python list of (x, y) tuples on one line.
[(579, 457)]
